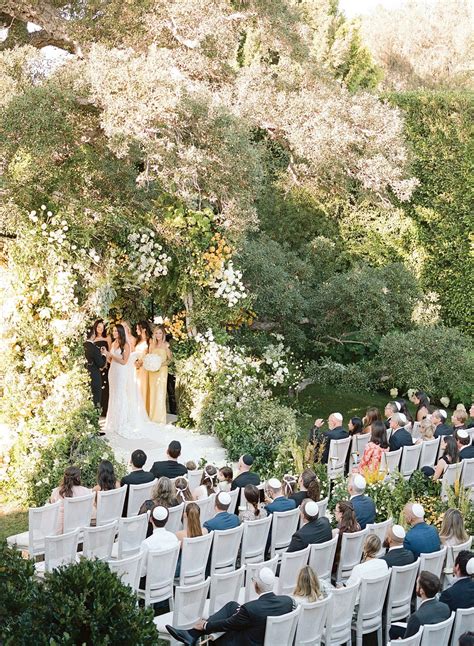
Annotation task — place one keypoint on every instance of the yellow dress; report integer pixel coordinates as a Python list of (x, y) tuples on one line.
[(157, 382), (141, 375)]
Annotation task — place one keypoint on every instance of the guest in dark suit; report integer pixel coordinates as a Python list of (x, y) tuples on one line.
[(170, 468), (95, 361), (278, 501), (465, 447), (400, 436), (390, 409), (396, 554), (137, 475), (460, 593), (364, 506), (222, 519), (246, 476), (438, 419), (312, 528), (336, 432), (430, 611), (421, 538), (243, 625)]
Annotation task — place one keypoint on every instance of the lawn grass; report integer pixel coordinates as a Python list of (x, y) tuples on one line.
[(12, 521)]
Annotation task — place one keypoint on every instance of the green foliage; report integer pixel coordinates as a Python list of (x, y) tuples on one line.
[(17, 592), (438, 360), (350, 377)]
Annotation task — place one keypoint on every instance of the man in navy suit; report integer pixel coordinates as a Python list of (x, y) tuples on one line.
[(243, 625), (465, 447), (364, 506), (336, 432), (421, 538), (312, 528), (279, 501), (400, 436), (222, 519), (460, 594), (397, 554), (438, 419)]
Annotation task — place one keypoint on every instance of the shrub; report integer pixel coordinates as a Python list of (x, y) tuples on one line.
[(17, 591), (353, 377)]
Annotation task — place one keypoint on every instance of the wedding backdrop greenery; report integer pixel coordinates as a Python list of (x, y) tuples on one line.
[(231, 167)]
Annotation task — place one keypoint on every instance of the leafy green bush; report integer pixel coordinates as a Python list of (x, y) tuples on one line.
[(438, 360), (352, 377), (17, 592)]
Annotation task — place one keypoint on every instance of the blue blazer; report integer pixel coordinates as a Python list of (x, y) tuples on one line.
[(401, 437), (281, 504), (364, 508), (422, 539), (222, 520), (459, 595)]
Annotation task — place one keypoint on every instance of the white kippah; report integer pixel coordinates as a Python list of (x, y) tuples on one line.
[(274, 483), (266, 576), (443, 413), (311, 509), (399, 532), (224, 498), (398, 405), (470, 567), (160, 513), (359, 481), (403, 418), (338, 416), (462, 434), (418, 510)]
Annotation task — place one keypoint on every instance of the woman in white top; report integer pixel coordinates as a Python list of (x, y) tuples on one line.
[(308, 587), (371, 566), (208, 484), (452, 530)]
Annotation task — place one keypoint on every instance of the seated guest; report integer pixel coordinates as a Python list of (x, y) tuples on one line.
[(364, 506), (372, 415), (464, 444), (450, 456), (452, 530), (191, 465), (336, 432), (191, 522), (208, 484), (422, 403), (253, 510), (374, 449), (222, 519), (397, 554), (160, 540), (355, 426), (421, 538), (459, 419), (400, 436), (466, 639), (470, 424), (242, 624), (137, 475), (308, 587), (371, 567), (460, 593), (225, 476), (183, 492), (70, 487), (162, 495), (106, 481), (346, 523), (275, 495), (438, 419), (390, 409), (289, 485), (427, 431), (430, 610), (312, 528), (246, 476), (308, 485), (170, 468)]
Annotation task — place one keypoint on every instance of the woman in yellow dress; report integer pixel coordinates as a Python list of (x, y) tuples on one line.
[(157, 381), (141, 375)]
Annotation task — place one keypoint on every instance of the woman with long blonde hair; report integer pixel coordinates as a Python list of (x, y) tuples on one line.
[(452, 530), (308, 588)]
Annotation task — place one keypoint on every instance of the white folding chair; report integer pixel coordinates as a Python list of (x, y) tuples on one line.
[(78, 512), (410, 459), (254, 540), (58, 550), (194, 556), (206, 507), (351, 552), (451, 555), (160, 570), (380, 530), (98, 541), (467, 476), (131, 533), (224, 588), (390, 461), (339, 621), (463, 622), (128, 569), (188, 608), (322, 506), (311, 622), (42, 522), (433, 562), (429, 453), (110, 505), (173, 524), (338, 450), (321, 558), (437, 633), (137, 494), (225, 549), (234, 496), (415, 431), (414, 640), (251, 569), (400, 592), (281, 630), (451, 475), (359, 442), (284, 525), (194, 479), (291, 564), (369, 613)]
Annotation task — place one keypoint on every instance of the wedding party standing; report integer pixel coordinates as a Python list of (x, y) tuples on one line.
[(102, 340), (158, 379)]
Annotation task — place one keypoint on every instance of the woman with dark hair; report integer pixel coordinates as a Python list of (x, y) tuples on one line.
[(374, 449), (117, 420), (70, 487), (355, 426), (141, 349), (106, 481), (225, 477), (253, 510), (372, 415), (103, 340), (308, 485), (423, 407), (450, 456), (192, 523), (183, 492), (346, 523), (208, 484)]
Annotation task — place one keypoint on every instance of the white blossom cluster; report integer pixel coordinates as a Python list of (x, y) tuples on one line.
[(228, 285), (147, 258), (275, 356)]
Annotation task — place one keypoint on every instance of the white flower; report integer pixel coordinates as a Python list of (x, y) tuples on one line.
[(393, 392), (445, 401)]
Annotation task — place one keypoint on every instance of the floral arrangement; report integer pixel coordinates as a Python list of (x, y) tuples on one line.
[(152, 362), (147, 258)]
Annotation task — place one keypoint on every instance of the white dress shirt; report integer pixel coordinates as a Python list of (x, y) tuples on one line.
[(160, 540)]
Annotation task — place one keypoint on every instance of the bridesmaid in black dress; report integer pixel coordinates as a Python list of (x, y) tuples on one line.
[(102, 340)]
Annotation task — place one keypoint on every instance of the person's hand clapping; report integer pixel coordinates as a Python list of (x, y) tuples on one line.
[(318, 423)]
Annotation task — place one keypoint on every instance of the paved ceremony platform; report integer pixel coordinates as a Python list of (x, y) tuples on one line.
[(155, 440)]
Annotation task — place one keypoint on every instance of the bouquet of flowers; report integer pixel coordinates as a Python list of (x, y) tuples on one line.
[(152, 362)]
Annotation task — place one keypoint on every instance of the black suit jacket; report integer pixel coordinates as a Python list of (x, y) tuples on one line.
[(95, 360), (316, 531), (338, 433), (459, 595), (134, 478), (168, 468), (398, 557), (400, 438), (246, 627), (467, 452), (431, 611), (443, 429)]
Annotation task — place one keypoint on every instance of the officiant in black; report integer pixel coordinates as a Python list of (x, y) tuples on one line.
[(171, 386), (95, 361)]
